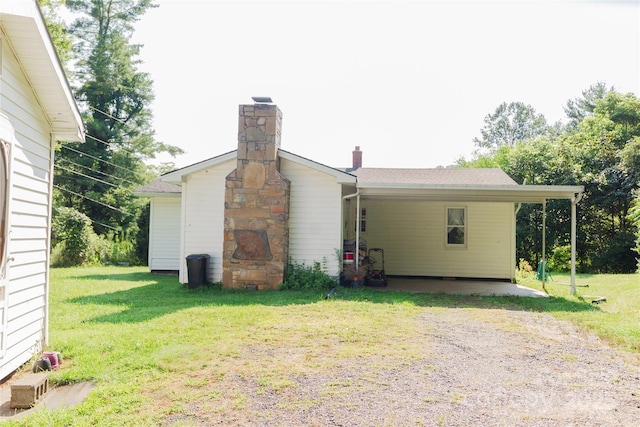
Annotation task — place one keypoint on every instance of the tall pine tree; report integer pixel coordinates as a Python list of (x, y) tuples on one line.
[(97, 177)]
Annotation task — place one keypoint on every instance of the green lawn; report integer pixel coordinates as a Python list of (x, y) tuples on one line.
[(150, 344)]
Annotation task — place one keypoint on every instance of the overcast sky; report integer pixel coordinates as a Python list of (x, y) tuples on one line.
[(409, 82)]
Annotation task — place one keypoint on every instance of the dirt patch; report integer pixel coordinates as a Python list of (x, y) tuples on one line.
[(477, 367)]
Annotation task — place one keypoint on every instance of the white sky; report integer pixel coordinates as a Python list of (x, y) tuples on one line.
[(410, 82)]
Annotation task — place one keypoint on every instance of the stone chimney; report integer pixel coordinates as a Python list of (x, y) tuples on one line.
[(357, 158), (256, 207)]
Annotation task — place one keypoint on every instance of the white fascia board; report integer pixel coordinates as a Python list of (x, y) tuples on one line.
[(341, 177), (176, 176), (501, 193), (26, 30)]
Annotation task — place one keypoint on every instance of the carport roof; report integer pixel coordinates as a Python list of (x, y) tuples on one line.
[(482, 185)]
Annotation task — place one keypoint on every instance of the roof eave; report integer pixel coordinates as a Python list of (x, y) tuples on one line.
[(487, 193), (341, 177), (24, 26)]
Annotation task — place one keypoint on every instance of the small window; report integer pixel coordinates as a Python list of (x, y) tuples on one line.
[(457, 226)]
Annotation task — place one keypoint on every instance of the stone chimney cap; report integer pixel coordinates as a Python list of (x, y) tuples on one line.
[(262, 99)]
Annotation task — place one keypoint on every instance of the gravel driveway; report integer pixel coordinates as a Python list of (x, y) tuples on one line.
[(480, 368)]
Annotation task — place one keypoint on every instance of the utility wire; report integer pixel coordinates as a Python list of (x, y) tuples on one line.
[(69, 162), (87, 176), (97, 158), (109, 115), (105, 225), (93, 200), (108, 144)]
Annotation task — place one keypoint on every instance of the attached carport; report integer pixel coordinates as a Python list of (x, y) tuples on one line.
[(516, 194)]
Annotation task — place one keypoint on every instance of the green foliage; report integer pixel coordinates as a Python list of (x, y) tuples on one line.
[(579, 108), (509, 124), (599, 149), (55, 25), (617, 256), (74, 241), (560, 259), (97, 177), (634, 217), (304, 277)]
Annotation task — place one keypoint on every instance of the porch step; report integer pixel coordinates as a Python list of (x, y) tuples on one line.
[(27, 391)]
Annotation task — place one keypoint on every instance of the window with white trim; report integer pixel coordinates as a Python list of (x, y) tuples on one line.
[(456, 233)]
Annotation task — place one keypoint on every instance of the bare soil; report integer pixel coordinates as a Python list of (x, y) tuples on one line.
[(476, 368)]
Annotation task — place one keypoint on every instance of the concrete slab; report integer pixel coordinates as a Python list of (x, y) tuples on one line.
[(56, 397), (459, 287)]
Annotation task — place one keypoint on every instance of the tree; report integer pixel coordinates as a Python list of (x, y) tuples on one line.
[(604, 153), (57, 28), (578, 108), (98, 176), (509, 124), (601, 152)]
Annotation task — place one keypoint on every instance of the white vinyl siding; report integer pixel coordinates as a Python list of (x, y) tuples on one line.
[(164, 234), (314, 216), (26, 288), (413, 238), (203, 219)]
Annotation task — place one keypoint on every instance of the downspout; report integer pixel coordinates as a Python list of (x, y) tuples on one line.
[(574, 201), (356, 255)]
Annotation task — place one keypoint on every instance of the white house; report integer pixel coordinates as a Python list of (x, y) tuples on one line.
[(164, 225), (457, 223), (37, 109)]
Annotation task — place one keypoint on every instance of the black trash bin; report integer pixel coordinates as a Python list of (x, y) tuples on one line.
[(197, 269)]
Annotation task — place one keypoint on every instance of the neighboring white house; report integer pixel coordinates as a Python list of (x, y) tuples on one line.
[(37, 109), (457, 223), (164, 225)]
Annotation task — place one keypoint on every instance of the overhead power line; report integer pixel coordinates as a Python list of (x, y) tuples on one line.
[(97, 158), (87, 176), (93, 200), (108, 115), (108, 144)]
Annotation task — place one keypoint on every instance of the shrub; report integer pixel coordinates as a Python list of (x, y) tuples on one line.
[(301, 276), (524, 270), (560, 259), (618, 256), (73, 239)]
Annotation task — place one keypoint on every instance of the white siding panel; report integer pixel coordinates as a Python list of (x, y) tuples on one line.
[(412, 233), (164, 246), (21, 219), (314, 216), (26, 287), (203, 219)]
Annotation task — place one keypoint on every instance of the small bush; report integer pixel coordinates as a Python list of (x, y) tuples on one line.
[(75, 242), (301, 276), (560, 259), (524, 270)]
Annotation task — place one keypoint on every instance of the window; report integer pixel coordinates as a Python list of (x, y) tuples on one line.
[(457, 226)]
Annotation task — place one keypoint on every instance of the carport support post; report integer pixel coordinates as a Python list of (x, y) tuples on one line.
[(574, 202), (544, 243)]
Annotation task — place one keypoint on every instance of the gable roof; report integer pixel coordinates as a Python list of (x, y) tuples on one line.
[(176, 175), (27, 35)]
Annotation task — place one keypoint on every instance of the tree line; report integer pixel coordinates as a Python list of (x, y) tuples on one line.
[(598, 147), (97, 219), (96, 216)]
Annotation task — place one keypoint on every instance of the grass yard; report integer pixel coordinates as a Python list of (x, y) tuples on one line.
[(152, 346)]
